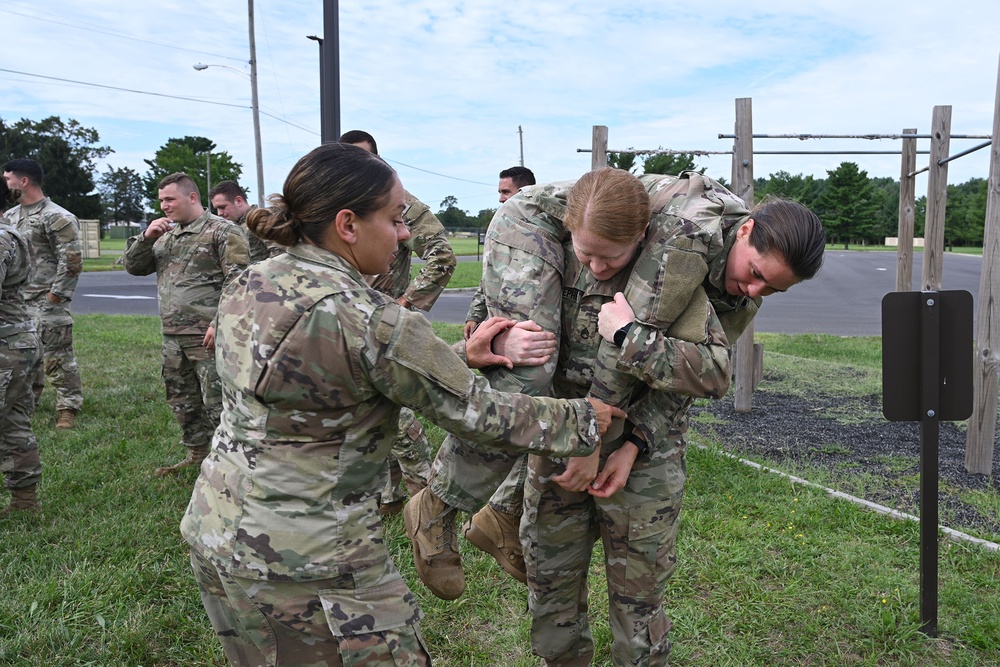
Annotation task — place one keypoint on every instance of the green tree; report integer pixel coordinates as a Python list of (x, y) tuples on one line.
[(803, 189), (849, 205), (624, 161), (68, 153), (193, 156), (122, 195), (451, 216), (670, 163), (965, 215), (887, 196)]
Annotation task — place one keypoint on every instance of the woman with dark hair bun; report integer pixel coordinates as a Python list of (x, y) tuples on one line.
[(284, 525)]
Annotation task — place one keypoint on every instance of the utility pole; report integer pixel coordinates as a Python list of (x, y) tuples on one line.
[(256, 110), (520, 138), (329, 72)]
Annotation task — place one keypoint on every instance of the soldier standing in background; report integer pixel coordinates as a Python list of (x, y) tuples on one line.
[(412, 450), (20, 359), (193, 254), (512, 180), (53, 233), (230, 202)]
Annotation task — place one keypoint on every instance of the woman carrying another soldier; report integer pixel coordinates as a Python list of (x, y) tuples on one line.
[(284, 526), (695, 275)]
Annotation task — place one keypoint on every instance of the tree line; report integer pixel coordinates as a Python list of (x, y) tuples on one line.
[(69, 152), (854, 207)]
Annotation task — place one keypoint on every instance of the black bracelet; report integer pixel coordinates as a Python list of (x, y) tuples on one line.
[(638, 442), (619, 339)]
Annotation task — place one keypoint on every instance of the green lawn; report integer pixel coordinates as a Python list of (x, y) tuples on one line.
[(769, 573)]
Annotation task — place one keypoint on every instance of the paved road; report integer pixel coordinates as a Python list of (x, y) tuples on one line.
[(845, 299)]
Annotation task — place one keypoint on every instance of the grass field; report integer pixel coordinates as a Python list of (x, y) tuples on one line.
[(769, 573)]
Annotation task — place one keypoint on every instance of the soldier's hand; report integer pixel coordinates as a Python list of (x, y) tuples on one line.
[(526, 344), (605, 413), (158, 228), (615, 472), (478, 349), (208, 342), (54, 298), (470, 326), (580, 472), (613, 316)]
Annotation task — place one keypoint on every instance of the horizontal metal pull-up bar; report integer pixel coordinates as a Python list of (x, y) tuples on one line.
[(671, 152), (657, 151), (857, 136), (948, 159)]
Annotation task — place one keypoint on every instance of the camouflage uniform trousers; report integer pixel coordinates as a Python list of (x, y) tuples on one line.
[(20, 357), (464, 474), (55, 325), (410, 462), (194, 391), (368, 618), (638, 528)]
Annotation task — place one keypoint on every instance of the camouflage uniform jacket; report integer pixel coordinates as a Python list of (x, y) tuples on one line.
[(314, 365), (685, 321), (192, 263), (54, 236), (428, 240), (259, 248), (15, 272)]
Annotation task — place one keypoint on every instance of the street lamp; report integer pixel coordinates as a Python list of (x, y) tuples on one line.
[(253, 105)]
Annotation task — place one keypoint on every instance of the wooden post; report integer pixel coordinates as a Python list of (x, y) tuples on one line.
[(599, 150), (937, 196), (986, 364), (743, 188), (907, 197)]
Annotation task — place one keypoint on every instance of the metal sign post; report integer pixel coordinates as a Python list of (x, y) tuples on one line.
[(927, 377)]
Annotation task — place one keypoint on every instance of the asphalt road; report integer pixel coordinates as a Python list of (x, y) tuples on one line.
[(845, 298)]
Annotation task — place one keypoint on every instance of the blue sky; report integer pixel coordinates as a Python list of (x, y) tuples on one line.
[(444, 85)]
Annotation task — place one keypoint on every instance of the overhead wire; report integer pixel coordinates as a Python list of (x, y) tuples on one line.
[(122, 35)]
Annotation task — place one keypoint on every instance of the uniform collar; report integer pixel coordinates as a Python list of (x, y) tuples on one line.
[(317, 255), (195, 226)]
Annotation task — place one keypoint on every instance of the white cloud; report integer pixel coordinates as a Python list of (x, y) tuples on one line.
[(443, 85)]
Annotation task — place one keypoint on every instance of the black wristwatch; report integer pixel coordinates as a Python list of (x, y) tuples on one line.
[(619, 339), (638, 442)]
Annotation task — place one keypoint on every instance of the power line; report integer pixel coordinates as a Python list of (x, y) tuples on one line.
[(223, 104), (454, 178), (121, 36), (146, 92)]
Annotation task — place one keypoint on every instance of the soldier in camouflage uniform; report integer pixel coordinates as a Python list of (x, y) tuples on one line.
[(694, 295), (20, 357), (230, 202), (193, 254), (284, 524), (411, 452), (53, 234)]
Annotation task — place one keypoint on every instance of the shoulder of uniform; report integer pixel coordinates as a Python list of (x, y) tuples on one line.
[(52, 208)]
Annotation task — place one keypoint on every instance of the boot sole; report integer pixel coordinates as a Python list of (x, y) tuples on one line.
[(481, 541)]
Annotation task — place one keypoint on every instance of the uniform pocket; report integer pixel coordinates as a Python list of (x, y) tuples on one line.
[(376, 626), (652, 536)]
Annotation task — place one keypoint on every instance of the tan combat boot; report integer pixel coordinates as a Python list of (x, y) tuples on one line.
[(496, 533), (23, 499), (430, 525), (67, 419), (195, 456)]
